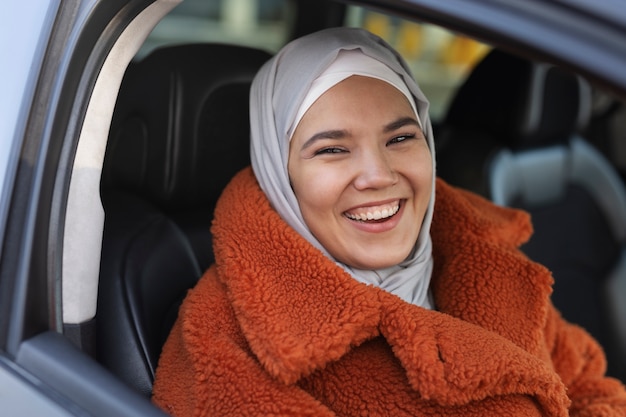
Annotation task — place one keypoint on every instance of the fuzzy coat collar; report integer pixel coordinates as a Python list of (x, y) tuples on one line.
[(299, 311)]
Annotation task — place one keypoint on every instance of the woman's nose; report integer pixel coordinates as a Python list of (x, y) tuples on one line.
[(374, 170)]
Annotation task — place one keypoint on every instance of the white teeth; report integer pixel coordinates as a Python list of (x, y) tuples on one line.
[(375, 214)]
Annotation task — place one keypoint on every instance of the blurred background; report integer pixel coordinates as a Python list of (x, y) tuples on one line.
[(440, 59)]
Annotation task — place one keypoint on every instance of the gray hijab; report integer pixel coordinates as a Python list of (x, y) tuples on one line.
[(277, 93)]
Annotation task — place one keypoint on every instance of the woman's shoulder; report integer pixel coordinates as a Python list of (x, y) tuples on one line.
[(460, 212)]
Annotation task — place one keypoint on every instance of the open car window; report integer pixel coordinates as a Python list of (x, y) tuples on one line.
[(442, 60)]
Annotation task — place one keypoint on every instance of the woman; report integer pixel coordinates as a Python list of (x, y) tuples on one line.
[(343, 286)]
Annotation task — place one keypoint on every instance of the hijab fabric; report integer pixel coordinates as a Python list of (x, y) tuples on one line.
[(277, 95), (347, 64)]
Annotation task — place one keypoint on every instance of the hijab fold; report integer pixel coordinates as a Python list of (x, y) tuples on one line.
[(277, 95)]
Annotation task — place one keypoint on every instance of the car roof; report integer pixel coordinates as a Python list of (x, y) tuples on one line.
[(589, 37)]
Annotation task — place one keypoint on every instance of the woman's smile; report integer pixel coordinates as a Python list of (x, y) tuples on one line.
[(374, 213)]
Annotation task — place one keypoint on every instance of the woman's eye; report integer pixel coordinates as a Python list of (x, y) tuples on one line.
[(401, 138), (330, 150)]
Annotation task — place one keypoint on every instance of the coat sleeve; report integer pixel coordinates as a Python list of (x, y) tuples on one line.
[(581, 363), (207, 369)]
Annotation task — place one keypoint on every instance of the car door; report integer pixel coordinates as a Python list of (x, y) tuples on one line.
[(62, 62)]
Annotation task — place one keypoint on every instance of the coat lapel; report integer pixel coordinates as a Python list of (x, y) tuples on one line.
[(453, 362), (296, 315)]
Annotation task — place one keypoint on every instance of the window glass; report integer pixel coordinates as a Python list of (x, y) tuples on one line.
[(263, 24), (440, 60)]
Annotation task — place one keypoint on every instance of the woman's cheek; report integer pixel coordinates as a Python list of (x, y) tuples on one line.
[(321, 186)]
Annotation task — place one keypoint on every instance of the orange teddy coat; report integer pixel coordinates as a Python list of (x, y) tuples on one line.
[(275, 328)]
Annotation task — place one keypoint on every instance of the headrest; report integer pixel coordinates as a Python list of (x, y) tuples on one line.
[(522, 104), (180, 129)]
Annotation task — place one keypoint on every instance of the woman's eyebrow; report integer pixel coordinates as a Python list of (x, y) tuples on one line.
[(339, 134), (327, 134), (397, 124)]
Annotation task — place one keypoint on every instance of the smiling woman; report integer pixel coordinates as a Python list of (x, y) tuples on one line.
[(344, 284), (363, 190)]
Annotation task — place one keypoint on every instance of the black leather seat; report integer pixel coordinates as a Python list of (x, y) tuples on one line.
[(180, 131), (513, 128)]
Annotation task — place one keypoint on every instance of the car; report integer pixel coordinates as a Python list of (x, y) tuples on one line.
[(112, 157)]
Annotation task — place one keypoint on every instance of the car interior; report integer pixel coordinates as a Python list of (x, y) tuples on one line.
[(179, 133), (535, 139)]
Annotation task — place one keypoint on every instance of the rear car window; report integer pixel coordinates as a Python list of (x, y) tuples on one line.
[(263, 24), (440, 59)]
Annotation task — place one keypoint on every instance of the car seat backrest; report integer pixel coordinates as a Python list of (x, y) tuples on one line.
[(179, 133), (506, 102), (578, 206), (525, 117)]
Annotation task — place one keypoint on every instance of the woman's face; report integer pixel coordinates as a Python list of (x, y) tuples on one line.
[(361, 171)]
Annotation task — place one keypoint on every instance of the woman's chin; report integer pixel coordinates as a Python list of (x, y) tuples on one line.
[(383, 259)]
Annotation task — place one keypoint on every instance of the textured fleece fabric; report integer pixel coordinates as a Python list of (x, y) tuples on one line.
[(275, 328)]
